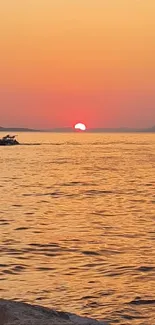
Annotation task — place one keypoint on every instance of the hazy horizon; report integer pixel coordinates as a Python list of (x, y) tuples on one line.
[(73, 128), (65, 62)]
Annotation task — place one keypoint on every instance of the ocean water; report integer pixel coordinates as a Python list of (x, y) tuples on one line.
[(77, 222)]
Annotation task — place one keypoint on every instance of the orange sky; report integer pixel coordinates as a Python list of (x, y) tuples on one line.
[(65, 61)]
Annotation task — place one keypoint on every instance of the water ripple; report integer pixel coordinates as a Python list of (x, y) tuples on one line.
[(77, 224)]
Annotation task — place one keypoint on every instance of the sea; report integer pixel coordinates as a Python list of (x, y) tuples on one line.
[(77, 224)]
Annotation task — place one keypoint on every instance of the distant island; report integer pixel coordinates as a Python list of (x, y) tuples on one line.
[(17, 129), (72, 130), (122, 130), (103, 130)]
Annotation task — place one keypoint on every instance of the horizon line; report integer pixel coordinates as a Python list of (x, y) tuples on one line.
[(71, 128)]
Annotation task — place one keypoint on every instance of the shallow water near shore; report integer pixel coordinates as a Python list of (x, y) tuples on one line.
[(77, 218)]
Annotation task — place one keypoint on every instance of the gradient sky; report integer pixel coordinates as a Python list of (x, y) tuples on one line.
[(64, 61)]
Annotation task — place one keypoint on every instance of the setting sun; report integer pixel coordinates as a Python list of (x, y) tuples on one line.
[(80, 126)]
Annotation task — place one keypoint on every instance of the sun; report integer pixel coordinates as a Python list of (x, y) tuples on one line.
[(80, 126)]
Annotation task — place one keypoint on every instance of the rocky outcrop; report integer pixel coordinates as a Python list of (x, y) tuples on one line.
[(18, 313)]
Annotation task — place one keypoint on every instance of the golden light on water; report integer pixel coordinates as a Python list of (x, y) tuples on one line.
[(80, 234)]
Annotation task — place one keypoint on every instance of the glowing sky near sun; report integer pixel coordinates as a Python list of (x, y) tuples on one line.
[(90, 60)]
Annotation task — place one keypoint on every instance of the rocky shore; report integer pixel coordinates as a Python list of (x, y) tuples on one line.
[(18, 313)]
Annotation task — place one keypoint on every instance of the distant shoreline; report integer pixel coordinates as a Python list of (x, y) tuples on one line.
[(71, 130)]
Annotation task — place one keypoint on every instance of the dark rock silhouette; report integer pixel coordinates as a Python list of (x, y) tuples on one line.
[(18, 313)]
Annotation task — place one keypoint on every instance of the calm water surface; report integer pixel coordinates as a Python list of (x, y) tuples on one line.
[(77, 220)]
